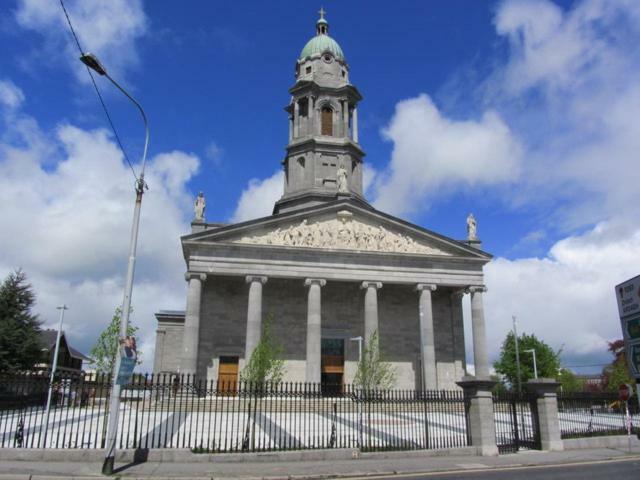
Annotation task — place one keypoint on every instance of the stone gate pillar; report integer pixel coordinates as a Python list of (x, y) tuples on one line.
[(479, 410), (545, 390)]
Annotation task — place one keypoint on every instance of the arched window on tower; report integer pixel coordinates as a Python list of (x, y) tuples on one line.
[(327, 121)]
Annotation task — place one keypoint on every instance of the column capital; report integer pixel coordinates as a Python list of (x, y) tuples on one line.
[(476, 289), (256, 278), (457, 294), (195, 275), (368, 284), (315, 281), (426, 286)]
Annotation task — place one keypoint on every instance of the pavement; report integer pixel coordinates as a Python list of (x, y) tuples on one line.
[(369, 465)]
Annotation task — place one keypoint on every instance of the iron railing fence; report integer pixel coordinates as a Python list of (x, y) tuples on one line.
[(516, 422), (588, 414), (168, 411)]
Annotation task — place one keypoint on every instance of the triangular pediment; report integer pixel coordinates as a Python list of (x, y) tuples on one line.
[(341, 226), (344, 230)]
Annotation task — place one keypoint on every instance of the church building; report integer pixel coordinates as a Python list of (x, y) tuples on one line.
[(328, 268)]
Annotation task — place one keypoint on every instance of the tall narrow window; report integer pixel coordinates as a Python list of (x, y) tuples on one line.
[(327, 121)]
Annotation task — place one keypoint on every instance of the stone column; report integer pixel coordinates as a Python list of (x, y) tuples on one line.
[(345, 119), (354, 125), (311, 111), (547, 401), (296, 119), (457, 324), (427, 337), (370, 309), (254, 314), (191, 332), (290, 127), (480, 357), (314, 333), (479, 406)]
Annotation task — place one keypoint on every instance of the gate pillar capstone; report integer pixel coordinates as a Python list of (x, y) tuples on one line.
[(479, 406), (547, 401)]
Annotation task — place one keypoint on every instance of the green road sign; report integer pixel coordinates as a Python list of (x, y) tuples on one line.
[(633, 328), (634, 359)]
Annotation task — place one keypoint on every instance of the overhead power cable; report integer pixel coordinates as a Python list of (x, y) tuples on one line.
[(95, 86)]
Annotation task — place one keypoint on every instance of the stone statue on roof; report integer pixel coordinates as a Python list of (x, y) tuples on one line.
[(199, 207), (472, 227)]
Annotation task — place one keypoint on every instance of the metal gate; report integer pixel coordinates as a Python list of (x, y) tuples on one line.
[(516, 421)]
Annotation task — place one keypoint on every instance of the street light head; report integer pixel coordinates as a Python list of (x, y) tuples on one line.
[(356, 339), (91, 61)]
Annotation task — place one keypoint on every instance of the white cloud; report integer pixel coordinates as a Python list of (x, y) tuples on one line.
[(107, 28), (258, 198), (582, 69), (214, 153), (432, 152), (566, 298), (70, 220), (11, 96)]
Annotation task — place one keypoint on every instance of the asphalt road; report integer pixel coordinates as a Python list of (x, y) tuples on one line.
[(608, 470)]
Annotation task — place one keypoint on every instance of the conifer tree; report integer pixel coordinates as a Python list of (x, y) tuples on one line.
[(20, 346)]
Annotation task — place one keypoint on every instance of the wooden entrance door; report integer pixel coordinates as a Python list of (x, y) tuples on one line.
[(228, 375), (332, 365)]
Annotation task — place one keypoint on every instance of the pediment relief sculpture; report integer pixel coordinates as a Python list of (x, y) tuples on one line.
[(343, 232)]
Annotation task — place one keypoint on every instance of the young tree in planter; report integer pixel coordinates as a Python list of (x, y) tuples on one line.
[(266, 363), (104, 352), (547, 361), (373, 372), (20, 346)]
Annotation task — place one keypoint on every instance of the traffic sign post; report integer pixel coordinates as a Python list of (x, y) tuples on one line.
[(628, 297)]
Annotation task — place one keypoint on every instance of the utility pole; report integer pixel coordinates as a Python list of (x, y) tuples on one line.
[(54, 365), (93, 63), (515, 336), (535, 368)]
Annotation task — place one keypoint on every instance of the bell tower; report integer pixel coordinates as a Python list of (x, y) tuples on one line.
[(324, 158)]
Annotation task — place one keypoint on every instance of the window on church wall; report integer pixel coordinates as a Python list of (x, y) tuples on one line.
[(327, 121), (308, 69)]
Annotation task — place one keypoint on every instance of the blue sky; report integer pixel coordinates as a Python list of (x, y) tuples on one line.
[(523, 112)]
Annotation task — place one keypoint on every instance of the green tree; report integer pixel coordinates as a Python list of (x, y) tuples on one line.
[(373, 372), (569, 381), (20, 346), (547, 361), (617, 372), (266, 363), (104, 352)]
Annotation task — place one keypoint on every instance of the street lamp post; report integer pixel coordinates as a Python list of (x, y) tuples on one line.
[(93, 63), (359, 340), (515, 336), (54, 366), (535, 367)]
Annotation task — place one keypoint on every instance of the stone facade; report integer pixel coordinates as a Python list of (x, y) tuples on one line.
[(326, 265)]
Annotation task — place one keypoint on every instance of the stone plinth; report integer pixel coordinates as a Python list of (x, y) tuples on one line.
[(482, 429), (547, 400)]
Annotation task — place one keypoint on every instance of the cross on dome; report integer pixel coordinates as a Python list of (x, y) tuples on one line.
[(322, 13)]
